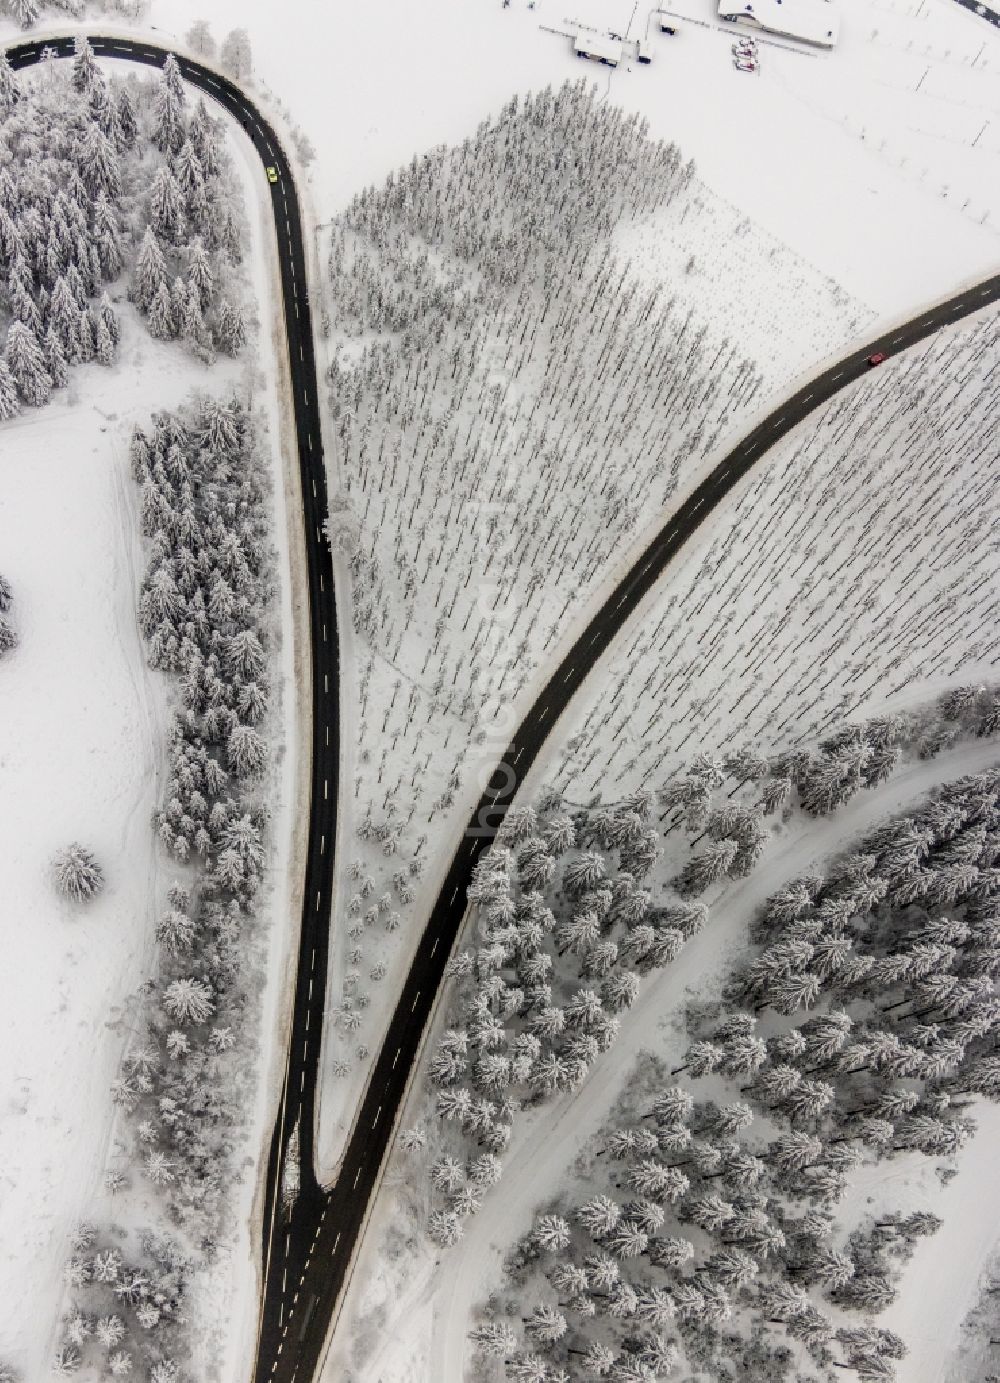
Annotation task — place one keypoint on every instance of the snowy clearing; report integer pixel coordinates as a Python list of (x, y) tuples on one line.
[(82, 723), (852, 204)]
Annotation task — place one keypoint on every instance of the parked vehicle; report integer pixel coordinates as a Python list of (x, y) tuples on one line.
[(745, 65), (667, 29)]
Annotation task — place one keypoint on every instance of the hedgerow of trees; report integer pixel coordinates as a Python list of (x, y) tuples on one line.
[(187, 1076)]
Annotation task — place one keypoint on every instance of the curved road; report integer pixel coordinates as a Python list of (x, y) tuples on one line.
[(329, 1222), (298, 1094), (306, 1257), (317, 1280)]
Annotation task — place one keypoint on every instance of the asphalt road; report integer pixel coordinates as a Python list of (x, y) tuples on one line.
[(318, 1280), (337, 1214), (307, 1256), (991, 16), (298, 1095)]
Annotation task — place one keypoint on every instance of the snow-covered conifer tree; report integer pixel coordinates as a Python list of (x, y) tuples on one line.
[(126, 119), (232, 328), (105, 349), (161, 314), (199, 39), (150, 272), (707, 868), (189, 1000), (78, 874), (247, 752), (166, 206), (26, 363), (85, 69), (100, 162), (10, 405), (234, 55), (55, 359), (169, 127)]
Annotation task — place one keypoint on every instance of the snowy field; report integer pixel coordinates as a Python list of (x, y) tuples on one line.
[(82, 757), (836, 155)]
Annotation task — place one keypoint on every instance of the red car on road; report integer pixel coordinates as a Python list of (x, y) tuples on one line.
[(877, 358)]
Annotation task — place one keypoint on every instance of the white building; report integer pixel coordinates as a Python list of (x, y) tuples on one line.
[(599, 47), (811, 21)]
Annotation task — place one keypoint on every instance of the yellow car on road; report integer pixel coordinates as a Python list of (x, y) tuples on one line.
[(272, 173)]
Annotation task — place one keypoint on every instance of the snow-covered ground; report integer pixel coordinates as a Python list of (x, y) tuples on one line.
[(866, 537), (842, 156), (405, 1318), (973, 1357), (82, 748), (82, 726), (940, 1282)]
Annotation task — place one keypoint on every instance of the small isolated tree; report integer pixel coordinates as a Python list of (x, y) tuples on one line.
[(199, 39), (78, 874), (234, 54)]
